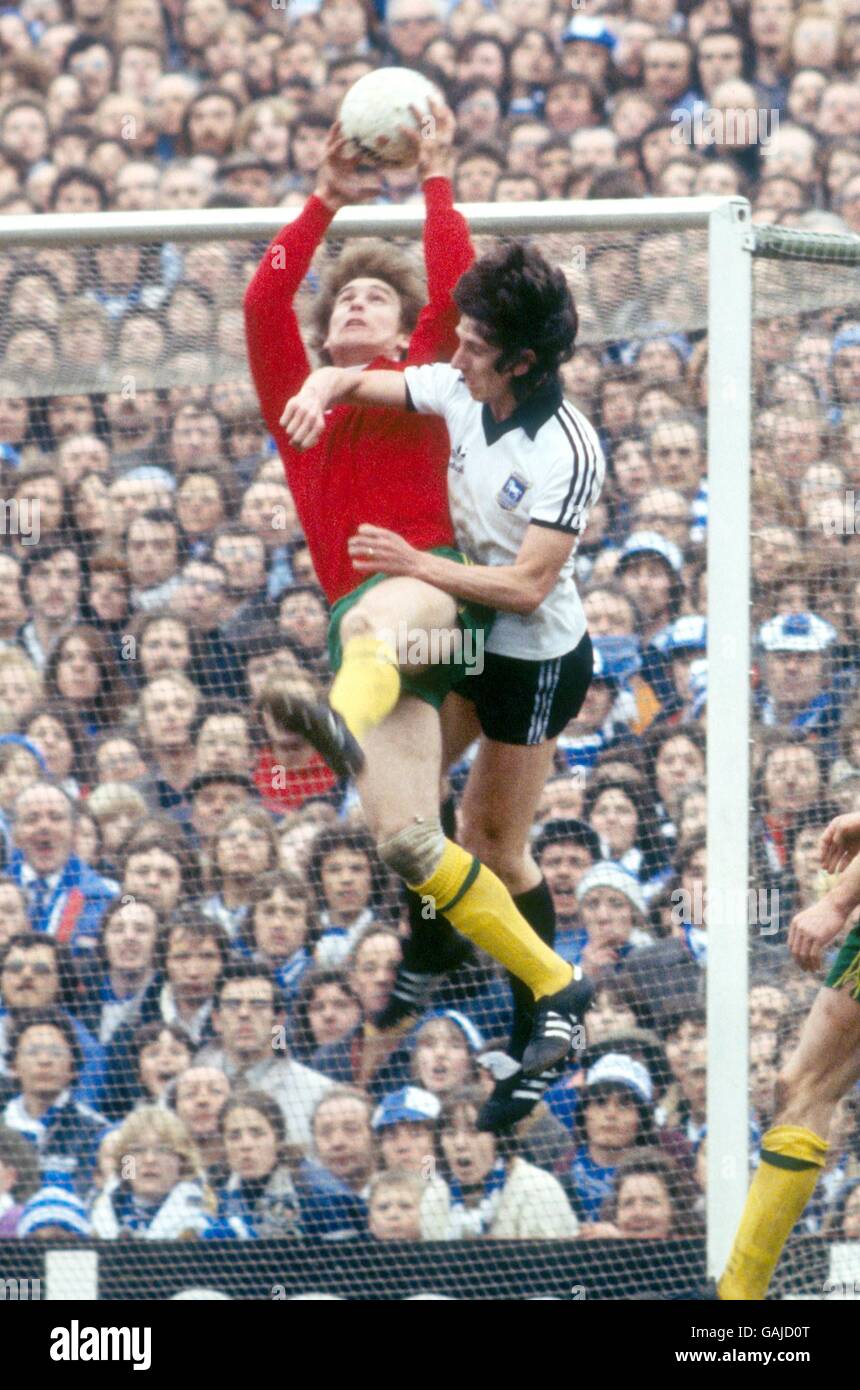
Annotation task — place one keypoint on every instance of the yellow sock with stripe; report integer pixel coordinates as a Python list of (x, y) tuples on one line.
[(791, 1162), (479, 905), (367, 686)]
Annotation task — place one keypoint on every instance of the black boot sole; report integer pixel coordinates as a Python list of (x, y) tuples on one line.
[(513, 1100), (319, 724)]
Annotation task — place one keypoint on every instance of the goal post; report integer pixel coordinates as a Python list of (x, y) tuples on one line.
[(728, 763)]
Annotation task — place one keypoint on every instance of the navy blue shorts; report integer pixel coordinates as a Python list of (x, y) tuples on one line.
[(527, 702)]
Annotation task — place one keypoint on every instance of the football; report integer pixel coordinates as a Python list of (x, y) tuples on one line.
[(377, 106)]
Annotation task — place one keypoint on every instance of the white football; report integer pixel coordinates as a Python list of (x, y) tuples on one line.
[(377, 105)]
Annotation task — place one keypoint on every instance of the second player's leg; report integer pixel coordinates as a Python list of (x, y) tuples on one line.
[(522, 706), (461, 728), (824, 1065), (499, 807)]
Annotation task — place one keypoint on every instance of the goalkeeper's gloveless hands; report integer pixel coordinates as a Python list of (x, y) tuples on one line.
[(812, 930), (436, 141), (431, 139), (342, 178), (840, 842)]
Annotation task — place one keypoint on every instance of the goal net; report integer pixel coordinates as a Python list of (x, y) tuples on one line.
[(805, 732), (201, 917)]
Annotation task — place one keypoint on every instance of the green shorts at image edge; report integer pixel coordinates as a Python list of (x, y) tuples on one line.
[(846, 967), (432, 685)]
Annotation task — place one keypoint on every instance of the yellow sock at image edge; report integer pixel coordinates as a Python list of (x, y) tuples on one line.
[(791, 1162)]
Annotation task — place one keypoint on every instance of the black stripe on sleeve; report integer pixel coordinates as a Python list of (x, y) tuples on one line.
[(582, 469), (569, 493), (410, 404), (584, 492), (554, 526)]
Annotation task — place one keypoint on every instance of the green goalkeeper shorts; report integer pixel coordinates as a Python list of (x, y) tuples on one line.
[(846, 967), (455, 659)]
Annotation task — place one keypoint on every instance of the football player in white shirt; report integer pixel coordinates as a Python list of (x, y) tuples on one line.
[(525, 468)]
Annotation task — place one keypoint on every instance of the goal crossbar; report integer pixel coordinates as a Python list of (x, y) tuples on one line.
[(223, 224)]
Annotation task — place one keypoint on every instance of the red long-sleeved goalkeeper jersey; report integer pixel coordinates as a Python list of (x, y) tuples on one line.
[(372, 465)]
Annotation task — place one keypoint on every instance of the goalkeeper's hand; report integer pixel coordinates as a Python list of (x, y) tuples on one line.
[(436, 142), (812, 930), (840, 842), (430, 136), (342, 178)]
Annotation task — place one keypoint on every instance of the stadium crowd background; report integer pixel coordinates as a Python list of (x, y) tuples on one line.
[(177, 892)]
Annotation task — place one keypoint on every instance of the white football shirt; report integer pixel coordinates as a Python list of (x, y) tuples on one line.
[(543, 466)]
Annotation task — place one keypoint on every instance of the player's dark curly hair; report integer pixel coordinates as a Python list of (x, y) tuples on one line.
[(521, 302)]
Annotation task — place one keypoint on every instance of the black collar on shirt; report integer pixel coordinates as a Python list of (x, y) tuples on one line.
[(529, 415)]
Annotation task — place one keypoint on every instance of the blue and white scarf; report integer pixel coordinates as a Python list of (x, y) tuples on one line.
[(467, 1222), (117, 1009), (697, 942)]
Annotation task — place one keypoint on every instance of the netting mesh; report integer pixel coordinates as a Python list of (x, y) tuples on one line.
[(805, 618), (201, 918)]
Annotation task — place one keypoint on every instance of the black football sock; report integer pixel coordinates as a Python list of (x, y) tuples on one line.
[(536, 906)]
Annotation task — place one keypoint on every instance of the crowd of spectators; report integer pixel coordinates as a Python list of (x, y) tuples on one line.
[(195, 929)]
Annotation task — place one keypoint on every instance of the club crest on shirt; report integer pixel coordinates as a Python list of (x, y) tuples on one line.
[(457, 459), (512, 493)]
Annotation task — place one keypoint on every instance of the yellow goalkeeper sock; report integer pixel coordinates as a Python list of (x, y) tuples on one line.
[(791, 1162), (479, 905), (367, 686)]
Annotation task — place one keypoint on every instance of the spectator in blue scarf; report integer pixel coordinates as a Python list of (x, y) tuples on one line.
[(281, 928), (45, 1060), (67, 899), (258, 1198), (158, 1191), (492, 1191), (615, 1116)]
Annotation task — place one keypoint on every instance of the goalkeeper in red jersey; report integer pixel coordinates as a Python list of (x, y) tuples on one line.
[(374, 467), (368, 466)]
